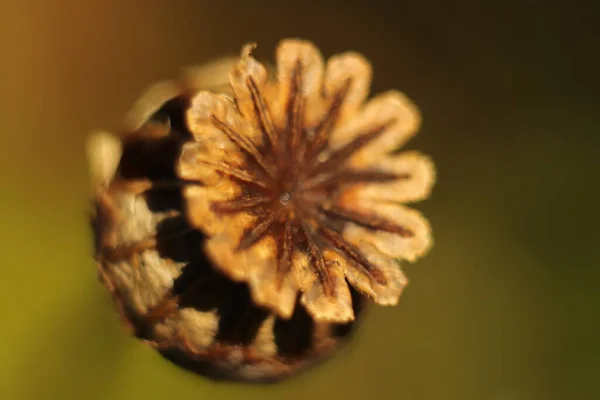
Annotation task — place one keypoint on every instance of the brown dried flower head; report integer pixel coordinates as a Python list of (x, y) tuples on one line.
[(233, 192), (297, 189)]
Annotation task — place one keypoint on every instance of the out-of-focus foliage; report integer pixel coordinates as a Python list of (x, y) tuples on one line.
[(505, 307)]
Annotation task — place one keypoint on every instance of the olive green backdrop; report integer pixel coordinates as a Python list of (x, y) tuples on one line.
[(505, 307)]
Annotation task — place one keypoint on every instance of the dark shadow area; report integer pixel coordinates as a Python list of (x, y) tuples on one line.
[(146, 156), (294, 336)]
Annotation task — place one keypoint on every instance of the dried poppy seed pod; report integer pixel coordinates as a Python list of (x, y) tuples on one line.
[(241, 232)]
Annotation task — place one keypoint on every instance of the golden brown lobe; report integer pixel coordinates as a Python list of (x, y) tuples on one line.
[(299, 194)]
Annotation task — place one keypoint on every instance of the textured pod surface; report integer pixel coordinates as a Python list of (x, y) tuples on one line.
[(164, 287), (240, 227)]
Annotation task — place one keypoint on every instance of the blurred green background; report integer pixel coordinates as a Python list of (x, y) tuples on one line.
[(504, 308)]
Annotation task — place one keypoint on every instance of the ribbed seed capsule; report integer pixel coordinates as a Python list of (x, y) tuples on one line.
[(240, 230)]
